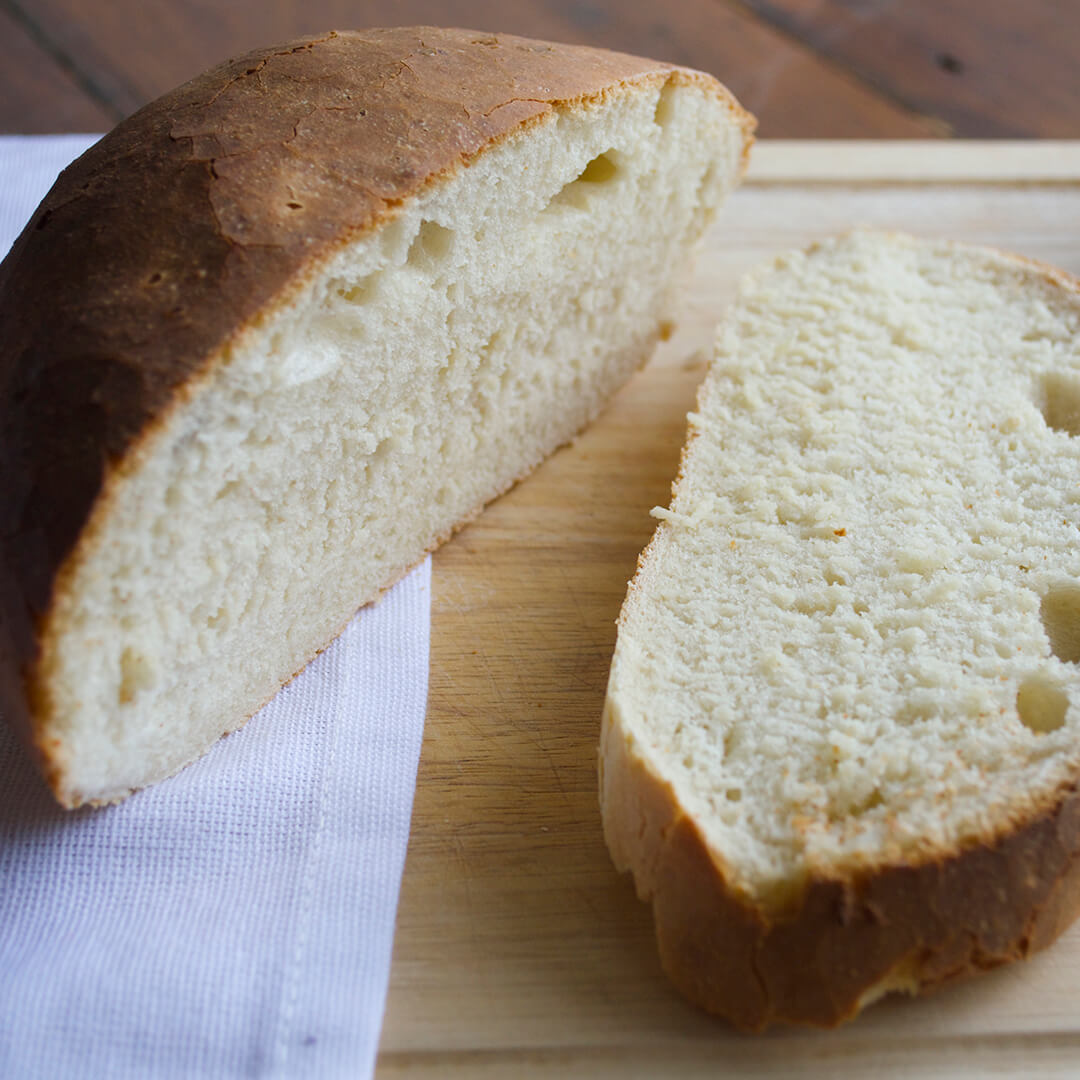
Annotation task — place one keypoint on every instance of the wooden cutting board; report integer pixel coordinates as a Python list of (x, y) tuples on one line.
[(519, 951)]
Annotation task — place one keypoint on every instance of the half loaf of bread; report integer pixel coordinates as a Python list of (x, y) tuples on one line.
[(841, 741), (287, 327)]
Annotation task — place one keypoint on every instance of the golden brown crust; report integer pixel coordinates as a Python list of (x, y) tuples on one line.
[(913, 927), (189, 222)]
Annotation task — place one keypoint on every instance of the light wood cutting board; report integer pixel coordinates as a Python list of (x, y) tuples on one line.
[(519, 951)]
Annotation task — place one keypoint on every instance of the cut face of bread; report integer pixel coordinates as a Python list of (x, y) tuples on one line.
[(842, 733), (443, 340)]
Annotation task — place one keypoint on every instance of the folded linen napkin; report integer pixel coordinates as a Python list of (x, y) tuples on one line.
[(237, 919)]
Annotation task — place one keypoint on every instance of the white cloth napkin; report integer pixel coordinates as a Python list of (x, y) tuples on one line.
[(237, 919)]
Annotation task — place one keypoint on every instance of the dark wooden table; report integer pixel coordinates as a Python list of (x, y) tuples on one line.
[(807, 68)]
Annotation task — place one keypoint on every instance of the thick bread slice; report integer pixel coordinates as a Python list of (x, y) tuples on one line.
[(283, 330), (841, 740)]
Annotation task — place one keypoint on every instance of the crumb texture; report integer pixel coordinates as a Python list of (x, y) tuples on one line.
[(853, 641), (420, 370)]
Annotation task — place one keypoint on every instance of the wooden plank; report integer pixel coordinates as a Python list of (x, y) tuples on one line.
[(976, 1059), (784, 83), (892, 70), (998, 161), (40, 94), (519, 950), (992, 69)]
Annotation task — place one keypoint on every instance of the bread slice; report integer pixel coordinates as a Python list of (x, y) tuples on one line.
[(841, 740), (286, 328)]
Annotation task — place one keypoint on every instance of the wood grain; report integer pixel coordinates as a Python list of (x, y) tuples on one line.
[(1042, 161), (987, 69), (135, 50), (808, 68), (40, 93), (1044, 1057), (519, 950)]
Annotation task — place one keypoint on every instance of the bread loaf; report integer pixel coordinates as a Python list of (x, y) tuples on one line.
[(285, 329), (841, 740)]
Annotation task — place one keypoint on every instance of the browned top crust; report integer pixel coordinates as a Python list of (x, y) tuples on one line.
[(189, 218)]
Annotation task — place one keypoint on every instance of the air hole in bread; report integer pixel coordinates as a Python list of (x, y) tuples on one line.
[(231, 489), (705, 214), (1041, 704), (1060, 613), (597, 174), (489, 353), (733, 794), (869, 802), (384, 449), (1060, 402), (432, 242), (454, 373), (358, 292), (730, 742), (665, 104), (600, 170), (395, 239), (136, 673)]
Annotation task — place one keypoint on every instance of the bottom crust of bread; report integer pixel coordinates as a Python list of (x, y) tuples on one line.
[(840, 945)]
